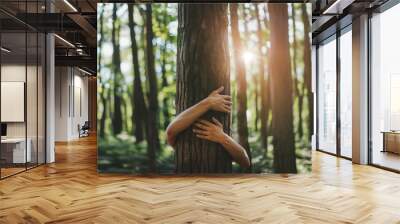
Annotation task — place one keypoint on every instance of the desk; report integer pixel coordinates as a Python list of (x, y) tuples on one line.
[(13, 150), (391, 141)]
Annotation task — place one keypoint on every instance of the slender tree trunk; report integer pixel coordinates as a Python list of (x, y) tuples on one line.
[(202, 66), (262, 83), (152, 118), (104, 112), (116, 58), (125, 117), (282, 98), (102, 92), (164, 73), (139, 105), (307, 68), (296, 84), (255, 80), (110, 106), (165, 99), (268, 81), (241, 82), (300, 121), (256, 99)]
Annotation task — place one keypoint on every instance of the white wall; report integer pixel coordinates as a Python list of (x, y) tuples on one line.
[(12, 73), (17, 73), (33, 126), (62, 81), (71, 102)]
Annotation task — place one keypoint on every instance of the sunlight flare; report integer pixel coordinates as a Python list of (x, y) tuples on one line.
[(248, 56)]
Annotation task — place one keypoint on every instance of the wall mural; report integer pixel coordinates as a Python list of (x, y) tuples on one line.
[(204, 88)]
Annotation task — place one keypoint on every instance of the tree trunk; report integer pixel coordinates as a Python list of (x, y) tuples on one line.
[(307, 69), (104, 112), (282, 98), (243, 131), (268, 81), (139, 105), (296, 84), (116, 60), (202, 66), (255, 80), (262, 83), (102, 92), (164, 83), (125, 118), (152, 118)]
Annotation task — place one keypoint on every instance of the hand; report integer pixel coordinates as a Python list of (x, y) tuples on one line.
[(211, 131), (218, 102)]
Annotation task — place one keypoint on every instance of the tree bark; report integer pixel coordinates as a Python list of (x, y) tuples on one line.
[(164, 83), (262, 83), (243, 131), (268, 81), (125, 117), (307, 69), (296, 84), (102, 92), (282, 98), (202, 66), (139, 104), (116, 59), (152, 118)]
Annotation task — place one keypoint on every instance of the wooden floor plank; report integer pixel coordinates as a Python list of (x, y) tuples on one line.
[(71, 191)]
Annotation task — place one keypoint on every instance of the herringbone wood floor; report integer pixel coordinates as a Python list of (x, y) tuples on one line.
[(71, 191)]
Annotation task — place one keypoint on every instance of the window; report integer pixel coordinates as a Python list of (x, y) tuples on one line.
[(327, 96), (385, 88), (346, 94), (22, 77)]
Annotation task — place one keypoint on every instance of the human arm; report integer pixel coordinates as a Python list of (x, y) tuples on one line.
[(215, 101), (213, 131)]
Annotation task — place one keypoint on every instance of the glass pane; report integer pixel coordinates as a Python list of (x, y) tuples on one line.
[(13, 86), (22, 79), (31, 97), (346, 94), (32, 85), (386, 89), (327, 97), (41, 99)]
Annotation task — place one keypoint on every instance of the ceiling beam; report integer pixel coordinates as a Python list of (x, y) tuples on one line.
[(86, 27), (337, 7), (76, 61)]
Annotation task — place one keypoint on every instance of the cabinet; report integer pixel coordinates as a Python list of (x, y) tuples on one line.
[(391, 142)]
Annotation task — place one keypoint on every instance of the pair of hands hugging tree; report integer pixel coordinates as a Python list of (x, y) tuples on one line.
[(209, 130)]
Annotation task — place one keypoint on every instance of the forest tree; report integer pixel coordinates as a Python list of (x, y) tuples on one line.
[(202, 66), (153, 116), (242, 126), (139, 105), (282, 99)]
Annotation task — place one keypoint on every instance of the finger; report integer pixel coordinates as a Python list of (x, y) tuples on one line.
[(224, 109), (227, 102), (205, 137), (227, 109), (206, 123), (219, 90), (217, 122), (199, 131), (201, 126), (227, 97)]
